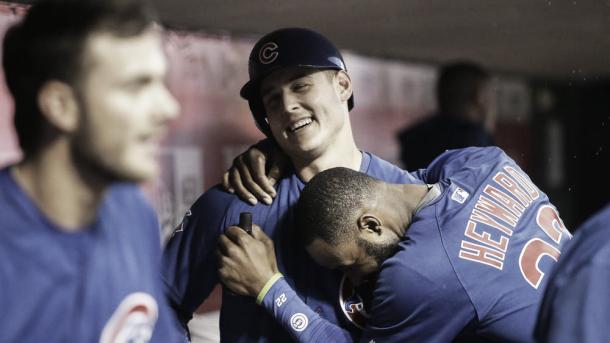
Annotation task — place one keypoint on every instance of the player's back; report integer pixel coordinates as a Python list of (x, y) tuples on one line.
[(473, 261), (502, 236)]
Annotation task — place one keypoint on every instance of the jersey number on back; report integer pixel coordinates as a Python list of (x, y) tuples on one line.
[(535, 249)]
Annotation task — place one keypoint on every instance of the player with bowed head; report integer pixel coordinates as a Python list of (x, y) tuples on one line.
[(464, 257)]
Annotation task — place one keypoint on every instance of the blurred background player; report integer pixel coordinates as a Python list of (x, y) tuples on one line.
[(463, 257), (79, 245), (576, 305), (300, 94), (465, 116)]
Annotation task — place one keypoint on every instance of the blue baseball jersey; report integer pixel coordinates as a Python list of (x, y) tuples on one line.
[(576, 304), (473, 261), (190, 265), (100, 284)]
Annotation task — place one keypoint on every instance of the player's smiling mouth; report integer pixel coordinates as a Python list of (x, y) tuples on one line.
[(299, 124)]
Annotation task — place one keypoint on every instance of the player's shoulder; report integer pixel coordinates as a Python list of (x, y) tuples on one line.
[(127, 192), (475, 156), (223, 208), (128, 199), (472, 159), (215, 199), (383, 170)]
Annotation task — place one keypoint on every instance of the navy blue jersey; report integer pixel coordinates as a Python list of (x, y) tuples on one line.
[(576, 305), (100, 284), (473, 261), (190, 266)]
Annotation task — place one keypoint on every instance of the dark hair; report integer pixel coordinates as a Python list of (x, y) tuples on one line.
[(459, 84), (327, 207), (49, 43)]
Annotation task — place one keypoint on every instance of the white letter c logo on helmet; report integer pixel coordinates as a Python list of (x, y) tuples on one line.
[(267, 54)]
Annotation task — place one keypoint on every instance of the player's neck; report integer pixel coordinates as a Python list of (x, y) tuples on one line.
[(343, 152), (350, 158), (406, 198), (57, 187)]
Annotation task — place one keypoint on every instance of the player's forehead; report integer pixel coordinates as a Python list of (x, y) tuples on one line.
[(137, 54), (330, 256), (285, 76)]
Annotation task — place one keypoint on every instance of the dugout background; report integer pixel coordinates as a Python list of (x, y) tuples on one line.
[(556, 126)]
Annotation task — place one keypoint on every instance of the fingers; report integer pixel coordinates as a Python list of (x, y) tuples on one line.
[(235, 179), (226, 246), (228, 274), (245, 166), (237, 235), (247, 176), (259, 234), (225, 182), (274, 174), (257, 161)]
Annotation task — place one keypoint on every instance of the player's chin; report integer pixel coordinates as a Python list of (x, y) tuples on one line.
[(139, 168)]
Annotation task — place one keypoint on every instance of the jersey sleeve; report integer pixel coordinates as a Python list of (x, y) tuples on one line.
[(412, 307), (189, 268), (298, 319)]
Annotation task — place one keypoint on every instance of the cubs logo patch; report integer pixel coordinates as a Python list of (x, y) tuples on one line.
[(268, 53), (352, 304), (133, 321), (299, 322)]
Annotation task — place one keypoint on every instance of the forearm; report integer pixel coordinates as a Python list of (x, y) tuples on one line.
[(303, 324)]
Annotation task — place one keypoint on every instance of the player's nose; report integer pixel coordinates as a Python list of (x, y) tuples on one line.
[(290, 102), (163, 106), (167, 105)]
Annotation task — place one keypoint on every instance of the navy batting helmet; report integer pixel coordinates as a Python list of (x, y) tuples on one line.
[(290, 47)]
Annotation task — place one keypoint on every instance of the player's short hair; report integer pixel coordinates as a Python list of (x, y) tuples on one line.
[(329, 203), (458, 85), (49, 44)]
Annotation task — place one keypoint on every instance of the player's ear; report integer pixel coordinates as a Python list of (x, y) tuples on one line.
[(369, 224), (344, 85), (57, 103)]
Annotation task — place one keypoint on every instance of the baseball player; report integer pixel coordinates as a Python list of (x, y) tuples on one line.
[(79, 246), (462, 258), (576, 304), (300, 94)]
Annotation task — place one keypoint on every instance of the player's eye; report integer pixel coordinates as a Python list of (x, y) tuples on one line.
[(300, 87), (138, 83)]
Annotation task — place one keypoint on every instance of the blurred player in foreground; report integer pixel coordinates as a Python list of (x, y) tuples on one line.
[(465, 256), (576, 305), (79, 246)]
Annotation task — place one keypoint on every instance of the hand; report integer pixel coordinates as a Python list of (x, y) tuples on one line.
[(246, 263), (249, 177)]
